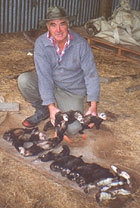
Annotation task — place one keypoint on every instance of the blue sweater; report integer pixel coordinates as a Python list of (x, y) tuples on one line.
[(76, 73)]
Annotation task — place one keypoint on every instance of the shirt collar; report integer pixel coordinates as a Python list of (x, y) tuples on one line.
[(60, 54)]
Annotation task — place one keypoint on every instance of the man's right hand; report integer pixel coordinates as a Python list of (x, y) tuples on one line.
[(53, 110)]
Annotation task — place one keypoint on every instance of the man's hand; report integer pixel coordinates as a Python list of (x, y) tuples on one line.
[(92, 111), (53, 110)]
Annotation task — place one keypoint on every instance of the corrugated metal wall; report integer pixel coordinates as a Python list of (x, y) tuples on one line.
[(23, 15)]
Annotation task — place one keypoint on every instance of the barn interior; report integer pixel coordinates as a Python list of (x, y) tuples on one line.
[(25, 182)]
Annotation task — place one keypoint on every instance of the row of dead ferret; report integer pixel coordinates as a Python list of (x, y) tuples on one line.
[(30, 142), (107, 183)]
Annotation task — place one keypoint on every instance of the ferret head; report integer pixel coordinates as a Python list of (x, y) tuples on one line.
[(79, 117), (42, 136), (102, 115), (65, 117)]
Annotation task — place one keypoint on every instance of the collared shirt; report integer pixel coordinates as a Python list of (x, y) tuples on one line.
[(76, 73), (60, 53)]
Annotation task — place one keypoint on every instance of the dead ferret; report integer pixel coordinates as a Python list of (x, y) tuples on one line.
[(66, 164), (30, 142), (65, 117), (96, 120), (62, 120), (89, 173), (51, 155)]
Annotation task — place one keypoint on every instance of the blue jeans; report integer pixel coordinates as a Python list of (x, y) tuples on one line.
[(28, 85)]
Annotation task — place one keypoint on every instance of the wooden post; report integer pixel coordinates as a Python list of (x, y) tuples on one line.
[(106, 8)]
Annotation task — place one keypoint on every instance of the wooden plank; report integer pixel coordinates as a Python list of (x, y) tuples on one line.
[(118, 50), (128, 52), (9, 106), (131, 49)]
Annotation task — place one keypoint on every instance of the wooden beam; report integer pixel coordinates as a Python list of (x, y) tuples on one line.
[(9, 106), (106, 8)]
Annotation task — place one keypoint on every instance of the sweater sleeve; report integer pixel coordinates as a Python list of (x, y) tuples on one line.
[(90, 73), (44, 72)]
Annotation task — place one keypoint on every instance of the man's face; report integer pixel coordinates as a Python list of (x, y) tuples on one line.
[(58, 29)]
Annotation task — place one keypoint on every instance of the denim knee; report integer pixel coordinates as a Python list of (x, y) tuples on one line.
[(28, 79), (23, 79)]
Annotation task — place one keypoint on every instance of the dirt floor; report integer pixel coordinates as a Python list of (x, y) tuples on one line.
[(26, 184)]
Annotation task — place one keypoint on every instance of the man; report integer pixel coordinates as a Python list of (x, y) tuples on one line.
[(65, 73)]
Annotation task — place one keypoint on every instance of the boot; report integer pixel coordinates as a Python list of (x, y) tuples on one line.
[(40, 114)]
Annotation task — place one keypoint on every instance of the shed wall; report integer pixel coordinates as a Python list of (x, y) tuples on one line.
[(24, 15)]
